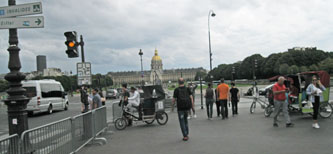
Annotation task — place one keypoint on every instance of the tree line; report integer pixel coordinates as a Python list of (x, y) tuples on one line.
[(289, 62)]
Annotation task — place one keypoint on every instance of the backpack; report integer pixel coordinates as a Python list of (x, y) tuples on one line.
[(184, 100), (209, 93)]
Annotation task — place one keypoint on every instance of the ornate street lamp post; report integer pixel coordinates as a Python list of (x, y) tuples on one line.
[(16, 101), (142, 74)]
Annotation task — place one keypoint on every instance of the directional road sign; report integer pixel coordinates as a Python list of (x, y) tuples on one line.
[(20, 10), (22, 22), (83, 73)]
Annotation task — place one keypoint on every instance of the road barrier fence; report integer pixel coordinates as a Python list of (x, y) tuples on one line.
[(66, 136)]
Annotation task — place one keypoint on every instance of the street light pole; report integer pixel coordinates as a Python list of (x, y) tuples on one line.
[(16, 101), (142, 74), (210, 14), (233, 72)]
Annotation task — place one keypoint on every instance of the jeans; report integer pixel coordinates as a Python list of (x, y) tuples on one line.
[(224, 108), (234, 104), (277, 110), (182, 116), (86, 108), (209, 107)]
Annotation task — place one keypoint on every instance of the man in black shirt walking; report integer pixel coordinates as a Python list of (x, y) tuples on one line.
[(184, 99), (235, 97)]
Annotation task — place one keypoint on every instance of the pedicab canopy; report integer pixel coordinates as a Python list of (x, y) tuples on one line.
[(307, 77), (148, 92)]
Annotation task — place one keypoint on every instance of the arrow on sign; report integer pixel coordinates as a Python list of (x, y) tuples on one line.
[(38, 21)]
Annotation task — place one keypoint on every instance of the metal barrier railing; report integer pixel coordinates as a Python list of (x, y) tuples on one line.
[(65, 136), (100, 120), (53, 138), (82, 130), (10, 145)]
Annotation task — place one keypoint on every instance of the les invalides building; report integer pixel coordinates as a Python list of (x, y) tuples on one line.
[(156, 75)]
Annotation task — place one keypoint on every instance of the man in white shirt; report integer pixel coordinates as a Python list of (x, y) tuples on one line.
[(134, 99)]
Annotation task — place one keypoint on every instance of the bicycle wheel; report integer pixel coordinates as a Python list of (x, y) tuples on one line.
[(253, 107), (325, 110), (269, 110), (120, 124), (162, 118)]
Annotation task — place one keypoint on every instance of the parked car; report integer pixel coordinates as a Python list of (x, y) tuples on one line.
[(112, 93), (263, 91), (45, 96)]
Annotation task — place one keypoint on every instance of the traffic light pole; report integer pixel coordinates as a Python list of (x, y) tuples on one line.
[(16, 101), (82, 51)]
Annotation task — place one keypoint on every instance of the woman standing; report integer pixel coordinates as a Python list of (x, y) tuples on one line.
[(315, 91)]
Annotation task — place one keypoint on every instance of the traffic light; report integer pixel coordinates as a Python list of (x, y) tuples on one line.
[(72, 44)]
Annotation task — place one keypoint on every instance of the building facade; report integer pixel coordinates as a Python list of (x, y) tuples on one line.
[(156, 75), (41, 63)]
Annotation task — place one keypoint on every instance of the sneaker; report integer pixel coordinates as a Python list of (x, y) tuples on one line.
[(195, 116), (290, 125), (185, 138), (275, 125), (315, 125), (188, 117)]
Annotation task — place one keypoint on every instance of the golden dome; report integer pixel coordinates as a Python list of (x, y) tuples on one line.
[(156, 57)]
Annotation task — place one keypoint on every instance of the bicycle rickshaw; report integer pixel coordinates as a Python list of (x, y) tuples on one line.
[(151, 108), (297, 98)]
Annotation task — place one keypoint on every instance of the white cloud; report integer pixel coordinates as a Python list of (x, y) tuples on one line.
[(114, 31)]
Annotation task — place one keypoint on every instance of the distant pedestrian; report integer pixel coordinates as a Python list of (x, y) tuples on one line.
[(96, 100), (209, 95), (84, 99), (234, 97), (217, 102), (223, 92), (279, 91), (315, 91), (184, 99), (192, 87)]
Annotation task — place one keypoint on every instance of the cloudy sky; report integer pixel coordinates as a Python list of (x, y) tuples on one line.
[(115, 30)]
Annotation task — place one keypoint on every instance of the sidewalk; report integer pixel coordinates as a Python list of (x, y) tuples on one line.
[(242, 134)]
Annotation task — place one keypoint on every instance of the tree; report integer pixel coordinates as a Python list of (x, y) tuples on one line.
[(327, 65), (313, 67), (4, 85), (200, 74), (303, 69), (293, 69), (283, 69)]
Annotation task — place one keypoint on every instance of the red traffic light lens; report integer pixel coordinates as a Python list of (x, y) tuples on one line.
[(71, 44)]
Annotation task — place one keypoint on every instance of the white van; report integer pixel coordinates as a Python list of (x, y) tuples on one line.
[(45, 96)]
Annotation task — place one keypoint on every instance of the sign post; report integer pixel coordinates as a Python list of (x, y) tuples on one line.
[(83, 73), (22, 22)]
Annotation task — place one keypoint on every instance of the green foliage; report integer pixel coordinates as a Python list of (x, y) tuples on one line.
[(290, 62), (293, 69), (313, 67), (4, 85), (283, 69), (200, 74), (327, 65)]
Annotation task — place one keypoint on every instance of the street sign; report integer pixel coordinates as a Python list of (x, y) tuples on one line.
[(22, 22), (20, 10), (83, 73)]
